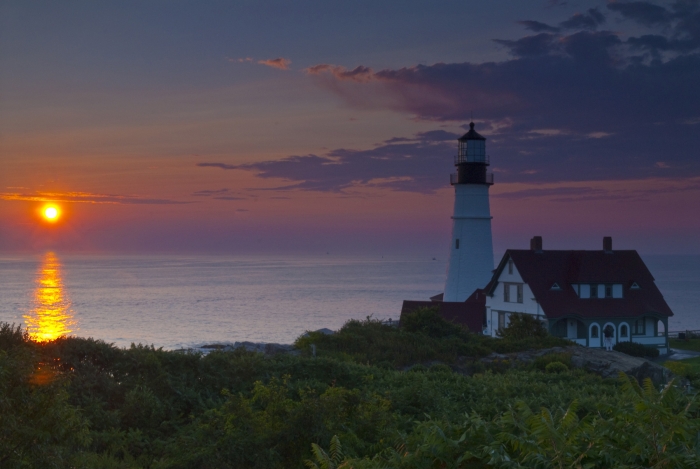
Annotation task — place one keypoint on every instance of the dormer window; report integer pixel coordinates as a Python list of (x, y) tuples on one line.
[(510, 266), (634, 286), (555, 286)]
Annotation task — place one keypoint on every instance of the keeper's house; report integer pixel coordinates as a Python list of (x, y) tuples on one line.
[(580, 295)]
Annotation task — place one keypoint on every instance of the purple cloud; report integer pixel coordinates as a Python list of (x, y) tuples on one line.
[(589, 20), (581, 86)]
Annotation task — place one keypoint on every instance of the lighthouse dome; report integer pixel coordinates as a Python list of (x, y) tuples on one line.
[(471, 135)]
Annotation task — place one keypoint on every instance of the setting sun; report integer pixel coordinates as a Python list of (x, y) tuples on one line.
[(51, 213)]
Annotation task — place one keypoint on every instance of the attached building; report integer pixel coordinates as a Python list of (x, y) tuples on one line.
[(580, 294)]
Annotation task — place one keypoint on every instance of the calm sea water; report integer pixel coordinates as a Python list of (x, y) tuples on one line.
[(180, 301)]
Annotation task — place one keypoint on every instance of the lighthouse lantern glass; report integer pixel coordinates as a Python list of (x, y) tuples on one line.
[(476, 151)]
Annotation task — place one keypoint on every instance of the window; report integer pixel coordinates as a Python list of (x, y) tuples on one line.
[(510, 267), (608, 291), (594, 291), (585, 291), (639, 327), (623, 331), (556, 286), (617, 290), (457, 243), (501, 320), (594, 332), (634, 286), (513, 292), (560, 329)]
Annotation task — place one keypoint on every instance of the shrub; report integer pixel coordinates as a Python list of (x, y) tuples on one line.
[(556, 367), (440, 368), (636, 350), (429, 322), (680, 369), (523, 326), (418, 368), (541, 363)]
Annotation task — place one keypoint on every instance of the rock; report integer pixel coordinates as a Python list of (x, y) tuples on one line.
[(598, 361), (266, 348), (260, 347), (610, 364)]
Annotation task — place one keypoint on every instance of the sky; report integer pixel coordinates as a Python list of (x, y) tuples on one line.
[(251, 127)]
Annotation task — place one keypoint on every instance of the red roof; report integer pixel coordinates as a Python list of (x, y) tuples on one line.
[(470, 313), (542, 269)]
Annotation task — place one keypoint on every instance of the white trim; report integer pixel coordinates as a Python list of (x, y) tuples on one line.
[(629, 332), (598, 340)]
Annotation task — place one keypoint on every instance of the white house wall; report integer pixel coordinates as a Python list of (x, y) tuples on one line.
[(496, 303)]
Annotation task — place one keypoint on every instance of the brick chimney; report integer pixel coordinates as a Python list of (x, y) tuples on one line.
[(536, 244), (607, 244)]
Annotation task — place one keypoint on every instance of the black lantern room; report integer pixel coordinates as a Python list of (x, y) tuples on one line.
[(471, 160)]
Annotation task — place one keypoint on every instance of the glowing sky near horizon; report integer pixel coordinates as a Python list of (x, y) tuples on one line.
[(330, 126)]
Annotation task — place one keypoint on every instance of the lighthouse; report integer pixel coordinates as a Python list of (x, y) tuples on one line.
[(471, 250)]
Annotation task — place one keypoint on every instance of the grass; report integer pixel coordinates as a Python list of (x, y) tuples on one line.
[(689, 344)]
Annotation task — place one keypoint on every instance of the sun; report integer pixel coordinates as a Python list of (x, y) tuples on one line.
[(51, 213)]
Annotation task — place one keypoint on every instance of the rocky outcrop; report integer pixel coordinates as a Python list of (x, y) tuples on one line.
[(261, 347), (598, 361)]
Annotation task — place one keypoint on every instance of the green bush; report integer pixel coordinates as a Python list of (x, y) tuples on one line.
[(418, 368), (83, 403), (440, 368), (523, 326), (428, 321), (636, 350), (541, 363), (556, 367)]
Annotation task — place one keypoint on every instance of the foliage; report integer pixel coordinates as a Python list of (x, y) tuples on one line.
[(38, 426), (541, 363), (650, 429), (556, 367), (83, 403), (424, 336), (427, 321), (326, 460), (524, 326), (687, 344), (636, 350)]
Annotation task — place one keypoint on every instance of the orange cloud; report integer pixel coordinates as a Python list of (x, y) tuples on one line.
[(87, 197), (279, 62)]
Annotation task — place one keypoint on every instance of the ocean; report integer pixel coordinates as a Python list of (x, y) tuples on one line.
[(187, 301)]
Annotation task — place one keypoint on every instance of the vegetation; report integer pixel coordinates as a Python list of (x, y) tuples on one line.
[(375, 396), (692, 343), (636, 350)]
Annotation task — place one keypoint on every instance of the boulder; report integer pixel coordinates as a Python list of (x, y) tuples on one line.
[(598, 361), (610, 364)]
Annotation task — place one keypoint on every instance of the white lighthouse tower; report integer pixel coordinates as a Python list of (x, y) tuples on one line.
[(471, 251)]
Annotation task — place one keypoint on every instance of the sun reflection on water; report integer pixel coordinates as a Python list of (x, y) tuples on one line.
[(51, 315)]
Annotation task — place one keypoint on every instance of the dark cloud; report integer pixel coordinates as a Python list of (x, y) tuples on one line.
[(585, 105), (429, 136), (209, 193), (217, 165), (530, 46), (228, 197), (589, 20), (418, 164), (548, 192), (537, 27), (679, 23), (645, 13)]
